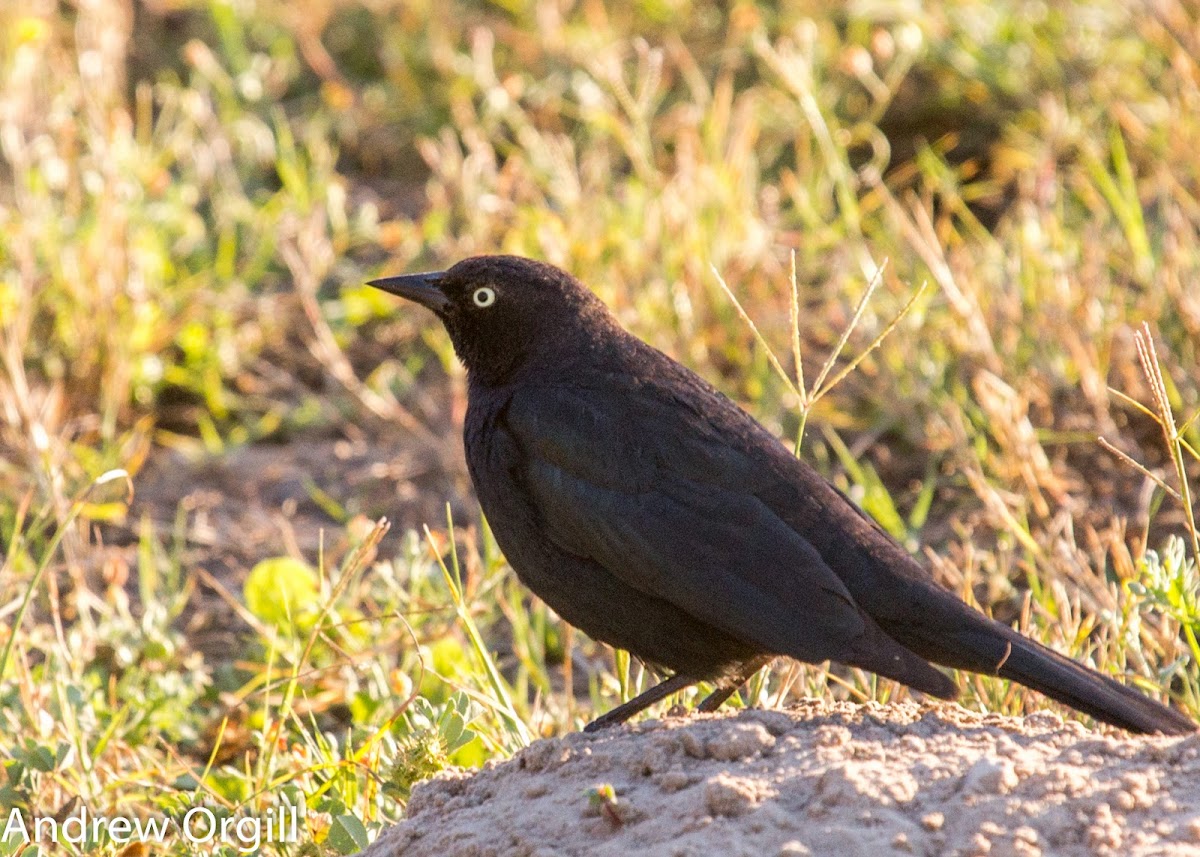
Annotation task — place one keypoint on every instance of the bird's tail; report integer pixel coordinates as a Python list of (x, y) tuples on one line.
[(1029, 663), (879, 653)]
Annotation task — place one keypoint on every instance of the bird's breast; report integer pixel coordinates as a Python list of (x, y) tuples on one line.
[(494, 462)]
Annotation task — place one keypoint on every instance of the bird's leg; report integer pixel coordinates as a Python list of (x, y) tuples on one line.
[(728, 686), (642, 701)]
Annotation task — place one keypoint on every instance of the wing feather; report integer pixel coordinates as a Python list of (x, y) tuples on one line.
[(664, 505)]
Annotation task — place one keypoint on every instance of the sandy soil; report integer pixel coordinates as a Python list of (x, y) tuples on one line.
[(822, 778)]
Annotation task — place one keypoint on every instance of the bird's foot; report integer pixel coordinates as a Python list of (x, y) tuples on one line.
[(730, 685), (640, 702)]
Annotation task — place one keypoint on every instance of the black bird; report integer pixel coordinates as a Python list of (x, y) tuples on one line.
[(656, 515)]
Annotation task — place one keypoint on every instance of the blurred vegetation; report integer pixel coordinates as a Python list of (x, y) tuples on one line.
[(191, 192)]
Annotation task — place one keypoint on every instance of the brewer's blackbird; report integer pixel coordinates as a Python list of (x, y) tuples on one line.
[(656, 515)]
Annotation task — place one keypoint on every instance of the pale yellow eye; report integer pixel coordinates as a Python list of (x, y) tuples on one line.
[(484, 297)]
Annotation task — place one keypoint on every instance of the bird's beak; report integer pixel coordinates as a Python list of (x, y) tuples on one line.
[(419, 288)]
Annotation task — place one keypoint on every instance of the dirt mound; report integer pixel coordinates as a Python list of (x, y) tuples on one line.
[(821, 778)]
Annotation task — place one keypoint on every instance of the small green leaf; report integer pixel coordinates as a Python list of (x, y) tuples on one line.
[(40, 758), (347, 834), (452, 726), (283, 592)]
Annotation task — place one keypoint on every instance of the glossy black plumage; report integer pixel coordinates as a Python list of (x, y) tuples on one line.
[(654, 514)]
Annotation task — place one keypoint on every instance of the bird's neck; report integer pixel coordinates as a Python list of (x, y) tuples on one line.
[(576, 350)]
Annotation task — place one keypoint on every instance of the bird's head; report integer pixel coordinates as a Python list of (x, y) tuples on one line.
[(505, 314)]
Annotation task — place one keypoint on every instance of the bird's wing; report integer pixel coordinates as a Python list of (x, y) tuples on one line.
[(623, 476)]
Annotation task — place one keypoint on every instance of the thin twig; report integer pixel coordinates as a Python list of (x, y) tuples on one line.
[(875, 343), (846, 331), (1134, 403), (1138, 466), (757, 334), (794, 320), (1148, 356)]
